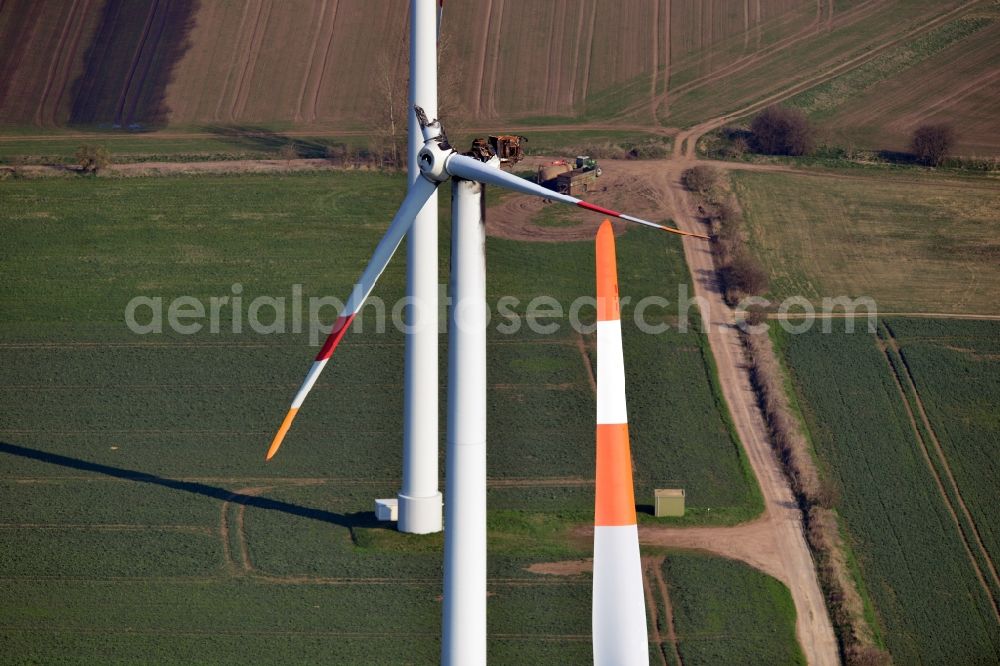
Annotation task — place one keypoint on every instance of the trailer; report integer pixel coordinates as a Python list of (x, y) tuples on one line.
[(564, 178), (577, 182)]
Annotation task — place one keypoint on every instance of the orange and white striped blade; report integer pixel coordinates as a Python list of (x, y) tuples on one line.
[(420, 191), (619, 612)]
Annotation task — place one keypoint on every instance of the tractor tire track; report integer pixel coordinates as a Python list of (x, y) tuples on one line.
[(234, 62), (64, 82), (150, 53), (250, 59), (667, 60), (491, 87), (581, 345), (480, 69), (969, 541), (553, 63), (310, 60), (314, 113), (654, 568), (652, 609), (136, 57), (976, 85), (61, 55), (746, 25), (588, 52), (576, 58), (668, 608), (655, 53)]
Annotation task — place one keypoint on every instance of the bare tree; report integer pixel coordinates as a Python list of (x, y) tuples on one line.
[(931, 143), (780, 130), (391, 115), (451, 77), (745, 275), (288, 152)]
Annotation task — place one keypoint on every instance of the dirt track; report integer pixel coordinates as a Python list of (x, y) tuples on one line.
[(786, 542)]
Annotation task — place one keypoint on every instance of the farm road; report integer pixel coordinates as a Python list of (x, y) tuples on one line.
[(787, 545)]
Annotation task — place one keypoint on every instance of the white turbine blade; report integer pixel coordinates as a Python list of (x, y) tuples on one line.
[(420, 191), (468, 168)]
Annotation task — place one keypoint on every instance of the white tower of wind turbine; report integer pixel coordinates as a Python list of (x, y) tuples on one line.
[(419, 500)]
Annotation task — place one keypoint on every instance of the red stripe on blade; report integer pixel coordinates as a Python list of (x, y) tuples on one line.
[(598, 209), (339, 329)]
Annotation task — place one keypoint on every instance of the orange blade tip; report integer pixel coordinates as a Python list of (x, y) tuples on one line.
[(282, 431)]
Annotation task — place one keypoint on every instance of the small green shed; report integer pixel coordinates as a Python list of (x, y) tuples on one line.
[(668, 502)]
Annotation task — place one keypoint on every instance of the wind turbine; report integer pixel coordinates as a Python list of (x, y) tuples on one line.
[(464, 614), (464, 640), (619, 607)]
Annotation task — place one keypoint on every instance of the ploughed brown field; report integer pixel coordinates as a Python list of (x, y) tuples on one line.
[(316, 63)]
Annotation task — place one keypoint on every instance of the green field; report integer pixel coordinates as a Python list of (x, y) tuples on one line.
[(139, 520), (930, 605), (913, 242), (207, 143), (955, 366), (727, 613)]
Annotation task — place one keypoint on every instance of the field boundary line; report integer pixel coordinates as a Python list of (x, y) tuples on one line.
[(939, 450), (109, 527), (925, 453)]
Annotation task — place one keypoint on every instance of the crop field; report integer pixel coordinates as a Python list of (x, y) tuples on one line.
[(727, 613), (139, 519), (912, 242), (802, 46), (927, 596), (952, 81), (674, 62), (276, 62), (955, 368)]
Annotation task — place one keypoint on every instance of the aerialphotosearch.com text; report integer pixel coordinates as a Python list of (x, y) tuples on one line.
[(233, 313)]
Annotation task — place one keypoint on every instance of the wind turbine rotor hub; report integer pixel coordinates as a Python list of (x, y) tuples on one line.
[(432, 160)]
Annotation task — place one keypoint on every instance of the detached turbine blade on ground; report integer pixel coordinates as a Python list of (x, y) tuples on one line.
[(619, 612), (471, 169), (417, 196)]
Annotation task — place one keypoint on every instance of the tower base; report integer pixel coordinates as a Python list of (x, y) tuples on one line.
[(420, 515)]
